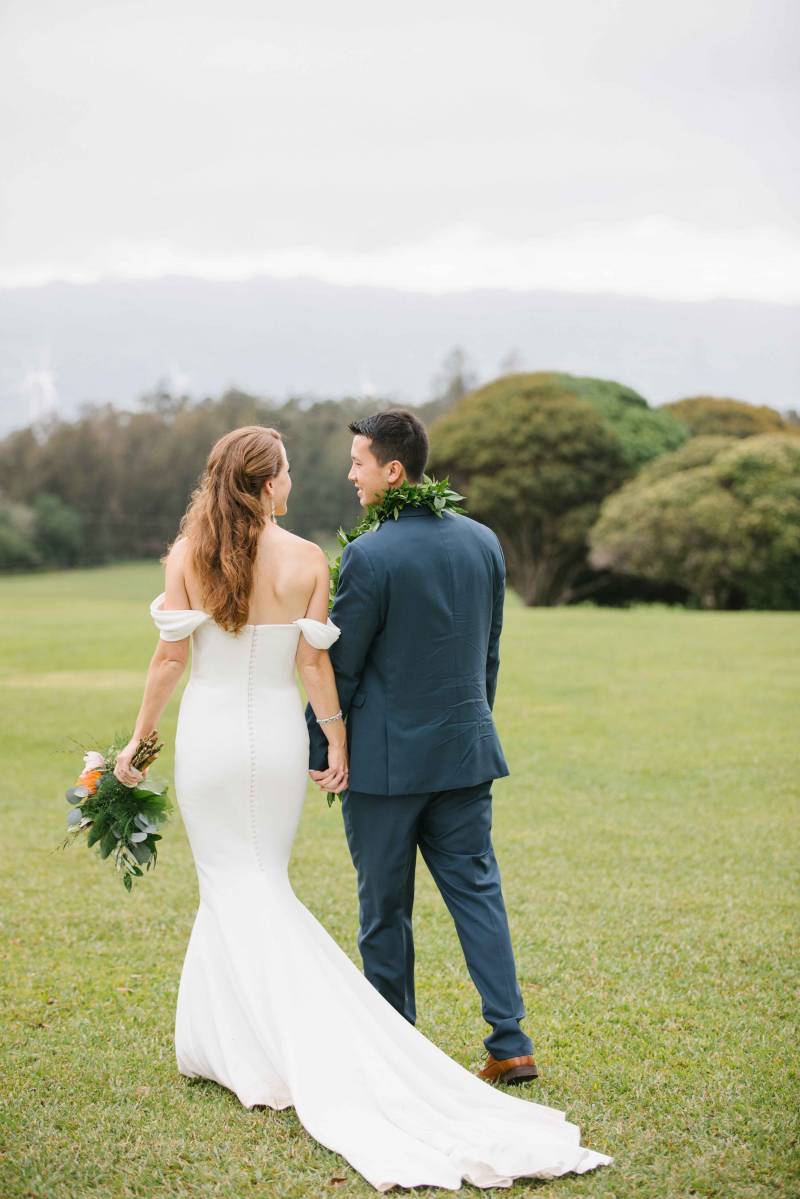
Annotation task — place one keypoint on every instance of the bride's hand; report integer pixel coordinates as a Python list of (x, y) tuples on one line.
[(127, 774), (337, 776)]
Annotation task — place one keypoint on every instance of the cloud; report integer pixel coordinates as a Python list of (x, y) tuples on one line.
[(651, 257), (592, 145)]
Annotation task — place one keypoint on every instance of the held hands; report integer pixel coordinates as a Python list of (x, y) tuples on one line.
[(337, 775)]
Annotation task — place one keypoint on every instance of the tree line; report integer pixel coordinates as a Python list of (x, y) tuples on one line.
[(592, 492), (112, 485)]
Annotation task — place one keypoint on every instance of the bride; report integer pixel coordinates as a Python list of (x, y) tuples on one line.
[(268, 1004)]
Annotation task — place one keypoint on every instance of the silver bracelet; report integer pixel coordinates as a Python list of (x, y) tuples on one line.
[(328, 719)]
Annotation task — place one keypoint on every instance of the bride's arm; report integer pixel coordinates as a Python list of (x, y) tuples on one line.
[(316, 672), (166, 668)]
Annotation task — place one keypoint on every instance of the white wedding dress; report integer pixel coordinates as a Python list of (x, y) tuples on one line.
[(269, 1006)]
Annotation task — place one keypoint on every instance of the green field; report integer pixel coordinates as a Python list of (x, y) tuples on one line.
[(648, 842)]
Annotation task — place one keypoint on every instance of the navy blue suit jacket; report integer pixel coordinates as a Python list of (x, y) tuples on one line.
[(420, 608)]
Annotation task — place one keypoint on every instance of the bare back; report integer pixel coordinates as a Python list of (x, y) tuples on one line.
[(289, 573)]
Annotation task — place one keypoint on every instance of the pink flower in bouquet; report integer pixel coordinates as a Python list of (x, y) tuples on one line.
[(92, 760)]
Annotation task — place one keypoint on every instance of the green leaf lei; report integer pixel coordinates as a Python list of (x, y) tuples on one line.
[(430, 493)]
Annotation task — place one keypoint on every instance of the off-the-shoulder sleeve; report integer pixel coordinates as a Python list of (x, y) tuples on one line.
[(321, 636), (176, 624)]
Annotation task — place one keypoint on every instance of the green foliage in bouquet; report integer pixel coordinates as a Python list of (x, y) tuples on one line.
[(121, 821)]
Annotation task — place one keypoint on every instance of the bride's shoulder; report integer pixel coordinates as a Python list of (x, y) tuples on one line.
[(307, 551), (178, 551), (179, 565)]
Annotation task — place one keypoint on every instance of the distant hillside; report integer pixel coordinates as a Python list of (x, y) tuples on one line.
[(62, 344)]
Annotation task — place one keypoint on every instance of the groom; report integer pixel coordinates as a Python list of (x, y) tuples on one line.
[(420, 608)]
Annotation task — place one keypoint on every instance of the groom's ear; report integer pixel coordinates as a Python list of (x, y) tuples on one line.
[(396, 472)]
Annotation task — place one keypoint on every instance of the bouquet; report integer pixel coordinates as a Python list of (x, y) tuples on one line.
[(120, 820)]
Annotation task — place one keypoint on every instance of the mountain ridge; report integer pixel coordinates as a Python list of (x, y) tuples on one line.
[(65, 343)]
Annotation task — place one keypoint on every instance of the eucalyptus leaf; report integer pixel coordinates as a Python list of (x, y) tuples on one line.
[(136, 838), (147, 789), (74, 818)]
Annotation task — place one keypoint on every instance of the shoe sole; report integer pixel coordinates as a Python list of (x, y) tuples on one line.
[(517, 1075)]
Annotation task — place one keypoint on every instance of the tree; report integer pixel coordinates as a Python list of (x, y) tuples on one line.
[(511, 363), (163, 400), (127, 476), (456, 377), (318, 444), (57, 531), (721, 517), (17, 548), (730, 418), (535, 455)]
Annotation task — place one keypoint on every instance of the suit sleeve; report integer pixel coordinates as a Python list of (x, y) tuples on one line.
[(493, 651), (357, 613)]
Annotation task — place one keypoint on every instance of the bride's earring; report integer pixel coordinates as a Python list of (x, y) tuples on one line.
[(272, 513)]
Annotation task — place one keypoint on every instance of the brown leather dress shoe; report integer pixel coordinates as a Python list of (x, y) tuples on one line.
[(511, 1070)]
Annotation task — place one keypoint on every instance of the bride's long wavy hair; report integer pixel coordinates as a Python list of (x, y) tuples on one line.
[(225, 517)]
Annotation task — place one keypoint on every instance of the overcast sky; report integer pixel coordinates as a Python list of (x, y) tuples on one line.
[(640, 146)]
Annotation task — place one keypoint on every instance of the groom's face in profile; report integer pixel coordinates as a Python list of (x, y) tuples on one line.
[(370, 478)]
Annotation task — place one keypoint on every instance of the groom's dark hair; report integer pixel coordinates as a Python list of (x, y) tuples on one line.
[(396, 434)]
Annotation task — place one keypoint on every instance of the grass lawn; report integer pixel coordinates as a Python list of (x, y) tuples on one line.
[(648, 842)]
